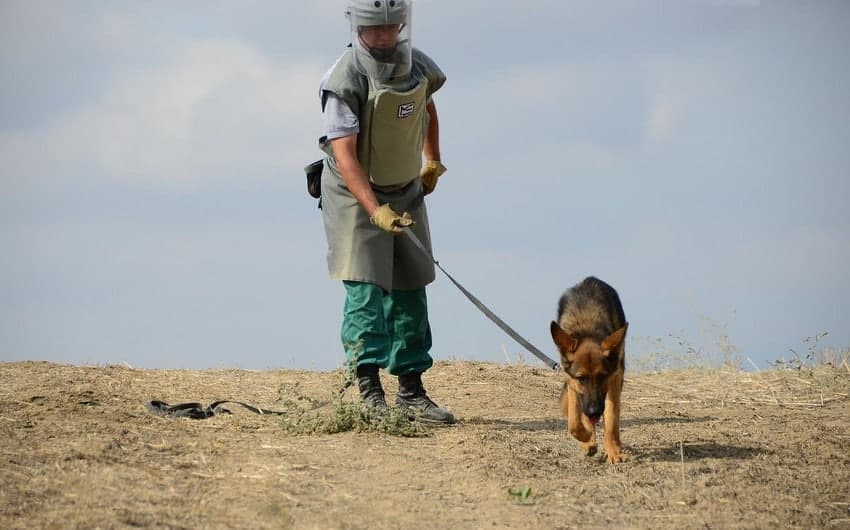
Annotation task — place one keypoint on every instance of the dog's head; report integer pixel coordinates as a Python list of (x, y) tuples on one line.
[(589, 365)]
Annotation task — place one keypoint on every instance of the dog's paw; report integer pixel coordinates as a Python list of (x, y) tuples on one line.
[(589, 449), (616, 457)]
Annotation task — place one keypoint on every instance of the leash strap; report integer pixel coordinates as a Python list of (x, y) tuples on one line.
[(483, 308), (196, 411)]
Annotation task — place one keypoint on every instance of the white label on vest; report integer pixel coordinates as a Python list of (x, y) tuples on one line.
[(406, 109)]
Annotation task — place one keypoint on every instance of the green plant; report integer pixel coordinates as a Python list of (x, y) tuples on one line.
[(523, 495), (339, 414), (346, 416)]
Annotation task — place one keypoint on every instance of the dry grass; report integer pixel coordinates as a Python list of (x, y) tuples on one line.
[(784, 388), (714, 448)]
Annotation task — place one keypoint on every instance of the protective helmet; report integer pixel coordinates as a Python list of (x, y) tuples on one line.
[(381, 36)]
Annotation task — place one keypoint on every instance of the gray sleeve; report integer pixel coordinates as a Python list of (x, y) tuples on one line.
[(338, 118), (435, 75)]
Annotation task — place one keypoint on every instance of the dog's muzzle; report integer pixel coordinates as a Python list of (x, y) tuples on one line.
[(594, 412)]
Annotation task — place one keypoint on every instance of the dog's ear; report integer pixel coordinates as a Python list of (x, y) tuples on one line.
[(612, 341), (565, 342)]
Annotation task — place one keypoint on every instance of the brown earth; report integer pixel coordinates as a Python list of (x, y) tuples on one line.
[(708, 449)]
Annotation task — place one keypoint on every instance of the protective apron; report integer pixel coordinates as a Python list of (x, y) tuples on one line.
[(389, 146)]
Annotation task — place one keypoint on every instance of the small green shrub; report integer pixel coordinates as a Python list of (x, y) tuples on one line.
[(338, 414)]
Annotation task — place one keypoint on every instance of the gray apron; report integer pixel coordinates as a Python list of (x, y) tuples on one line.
[(392, 128), (360, 251)]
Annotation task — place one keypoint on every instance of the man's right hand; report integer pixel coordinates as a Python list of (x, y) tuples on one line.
[(386, 219)]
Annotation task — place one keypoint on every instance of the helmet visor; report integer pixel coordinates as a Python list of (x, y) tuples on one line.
[(381, 35)]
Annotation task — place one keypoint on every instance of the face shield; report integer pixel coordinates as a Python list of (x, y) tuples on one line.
[(381, 37)]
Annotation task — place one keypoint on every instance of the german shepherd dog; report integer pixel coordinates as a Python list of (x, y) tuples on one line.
[(590, 334)]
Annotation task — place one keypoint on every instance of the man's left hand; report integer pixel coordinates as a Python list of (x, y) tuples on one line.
[(430, 173)]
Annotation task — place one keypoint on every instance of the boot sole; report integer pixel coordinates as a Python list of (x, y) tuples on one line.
[(412, 416)]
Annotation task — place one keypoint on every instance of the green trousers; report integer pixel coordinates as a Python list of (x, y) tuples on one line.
[(389, 329)]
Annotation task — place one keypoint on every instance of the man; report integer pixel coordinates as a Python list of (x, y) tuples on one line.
[(379, 122)]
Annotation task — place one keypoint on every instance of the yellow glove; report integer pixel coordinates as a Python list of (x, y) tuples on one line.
[(431, 171), (386, 219)]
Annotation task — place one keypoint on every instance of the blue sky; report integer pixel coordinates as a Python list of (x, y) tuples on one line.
[(692, 153)]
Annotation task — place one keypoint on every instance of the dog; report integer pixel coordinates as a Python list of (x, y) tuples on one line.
[(590, 334)]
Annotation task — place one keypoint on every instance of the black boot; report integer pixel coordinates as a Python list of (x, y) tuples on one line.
[(411, 395), (369, 384)]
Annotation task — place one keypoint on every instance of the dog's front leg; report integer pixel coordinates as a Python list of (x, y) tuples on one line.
[(578, 425), (611, 418)]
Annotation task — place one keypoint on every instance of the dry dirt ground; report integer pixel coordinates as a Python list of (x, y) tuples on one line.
[(708, 449)]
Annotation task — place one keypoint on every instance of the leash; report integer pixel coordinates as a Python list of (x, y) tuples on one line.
[(196, 411), (199, 412), (483, 308)]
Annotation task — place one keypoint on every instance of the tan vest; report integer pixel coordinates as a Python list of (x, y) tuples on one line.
[(392, 132)]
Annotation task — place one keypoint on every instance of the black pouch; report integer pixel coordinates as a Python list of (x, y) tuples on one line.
[(314, 178)]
